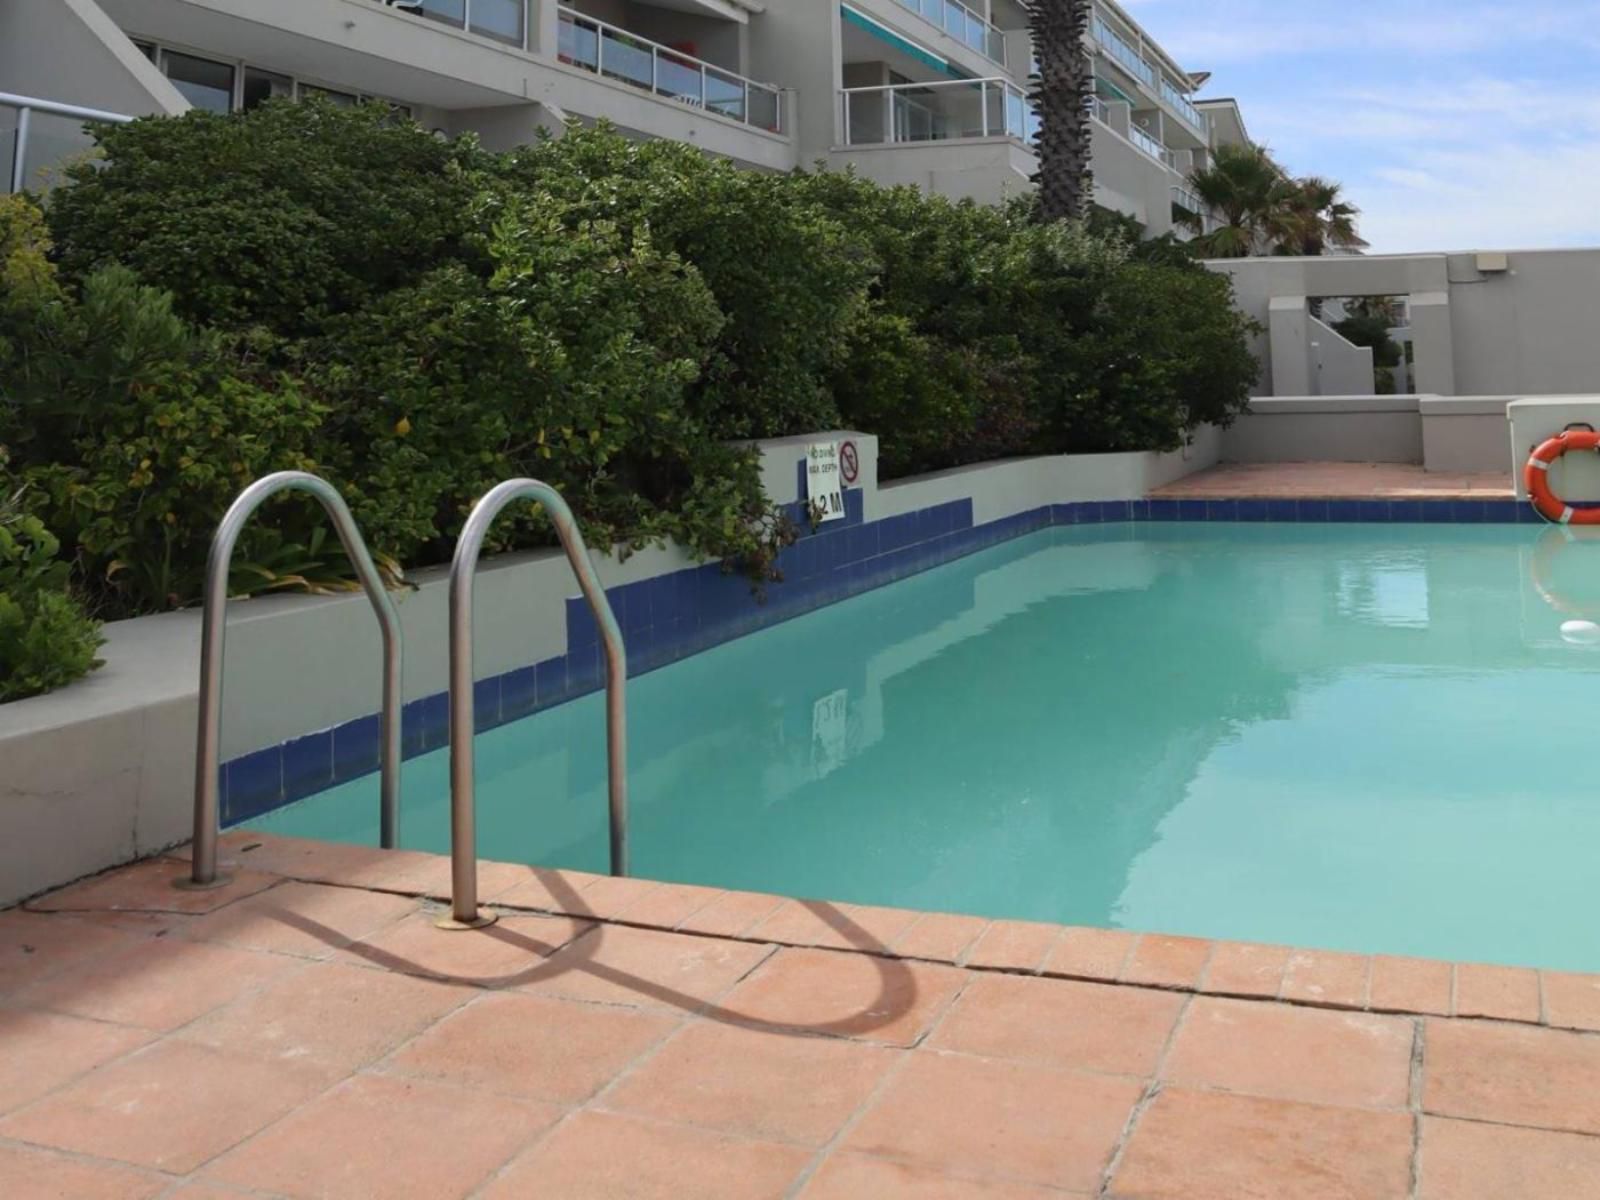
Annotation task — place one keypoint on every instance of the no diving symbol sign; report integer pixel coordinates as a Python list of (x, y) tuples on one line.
[(849, 462)]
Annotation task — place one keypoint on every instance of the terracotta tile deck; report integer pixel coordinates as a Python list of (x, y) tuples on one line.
[(311, 1034), (1334, 481)]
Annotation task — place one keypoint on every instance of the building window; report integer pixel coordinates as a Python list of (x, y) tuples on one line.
[(261, 86), (342, 99), (148, 49), (203, 83)]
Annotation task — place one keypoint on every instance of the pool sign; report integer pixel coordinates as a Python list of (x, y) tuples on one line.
[(824, 491), (849, 463)]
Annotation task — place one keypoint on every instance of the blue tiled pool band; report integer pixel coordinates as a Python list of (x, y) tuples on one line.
[(673, 616)]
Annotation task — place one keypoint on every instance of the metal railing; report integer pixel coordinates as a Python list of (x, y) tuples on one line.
[(15, 173), (940, 111), (1185, 199), (464, 912), (1184, 107), (1123, 51), (1143, 139), (964, 24), (613, 53), (213, 627)]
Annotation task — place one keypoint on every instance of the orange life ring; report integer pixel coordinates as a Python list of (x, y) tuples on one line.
[(1536, 477)]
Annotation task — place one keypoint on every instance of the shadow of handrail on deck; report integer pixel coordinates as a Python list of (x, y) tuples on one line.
[(897, 986)]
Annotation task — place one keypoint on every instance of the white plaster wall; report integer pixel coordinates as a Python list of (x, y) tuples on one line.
[(1465, 434), (1327, 429), (1342, 367), (1532, 420), (71, 52), (986, 170)]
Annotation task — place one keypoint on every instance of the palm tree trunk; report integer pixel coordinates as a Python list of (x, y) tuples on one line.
[(1061, 92)]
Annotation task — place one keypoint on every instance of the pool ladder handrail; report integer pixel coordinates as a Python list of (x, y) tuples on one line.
[(213, 628), (464, 912)]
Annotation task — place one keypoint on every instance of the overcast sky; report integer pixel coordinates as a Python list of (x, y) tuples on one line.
[(1453, 124)]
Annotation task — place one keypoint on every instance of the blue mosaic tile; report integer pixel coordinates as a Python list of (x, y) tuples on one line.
[(861, 542), (519, 693), (1164, 510), (963, 514), (1138, 510), (425, 724), (1311, 510), (254, 785), (1344, 510), (1193, 510), (1375, 511), (855, 501), (486, 703), (1283, 510), (584, 672), (581, 628), (1089, 514), (307, 764), (1501, 511), (1222, 510), (1250, 510), (1405, 511), (357, 747), (1113, 510), (1528, 515)]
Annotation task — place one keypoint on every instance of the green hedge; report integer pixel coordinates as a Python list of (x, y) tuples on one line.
[(305, 286)]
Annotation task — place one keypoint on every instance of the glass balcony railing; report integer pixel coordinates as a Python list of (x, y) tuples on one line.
[(1148, 143), (1122, 51), (1187, 200), (937, 112), (614, 53), (964, 24), (1186, 110), (503, 20)]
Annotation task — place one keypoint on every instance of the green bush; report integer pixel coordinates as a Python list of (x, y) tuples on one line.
[(280, 217), (47, 640), (309, 287)]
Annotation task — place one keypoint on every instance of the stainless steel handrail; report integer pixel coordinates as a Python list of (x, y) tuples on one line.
[(26, 106), (213, 627), (464, 911)]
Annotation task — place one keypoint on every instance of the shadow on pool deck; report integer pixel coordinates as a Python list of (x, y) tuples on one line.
[(306, 1031)]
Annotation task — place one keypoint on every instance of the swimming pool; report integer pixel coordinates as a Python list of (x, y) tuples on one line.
[(1358, 737)]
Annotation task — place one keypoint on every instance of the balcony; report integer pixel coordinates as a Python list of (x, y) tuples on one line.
[(963, 24), (616, 54), (1122, 51), (504, 20), (946, 110), (1142, 139), (1184, 108), (1185, 199)]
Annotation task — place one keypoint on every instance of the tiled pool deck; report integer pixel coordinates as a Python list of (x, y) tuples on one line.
[(307, 1032), (1334, 481)]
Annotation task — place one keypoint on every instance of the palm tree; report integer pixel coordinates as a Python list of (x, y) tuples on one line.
[(1061, 90), (1317, 217), (1263, 210), (1247, 192)]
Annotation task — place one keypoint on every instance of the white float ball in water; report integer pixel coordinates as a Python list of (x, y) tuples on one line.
[(1581, 633)]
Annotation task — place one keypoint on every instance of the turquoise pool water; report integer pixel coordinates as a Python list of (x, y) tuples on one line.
[(1362, 737)]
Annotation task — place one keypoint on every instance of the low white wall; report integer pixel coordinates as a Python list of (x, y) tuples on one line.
[(1342, 367), (1465, 434), (1535, 418), (103, 771), (1384, 429)]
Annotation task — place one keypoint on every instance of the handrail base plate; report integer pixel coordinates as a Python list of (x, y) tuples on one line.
[(483, 920), (188, 883)]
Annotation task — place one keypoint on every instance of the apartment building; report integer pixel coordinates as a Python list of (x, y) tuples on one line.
[(926, 92)]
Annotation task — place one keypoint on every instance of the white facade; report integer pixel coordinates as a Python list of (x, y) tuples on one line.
[(925, 92)]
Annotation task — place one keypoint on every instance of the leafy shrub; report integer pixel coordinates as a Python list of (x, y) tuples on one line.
[(47, 640), (279, 217), (304, 286), (136, 432)]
